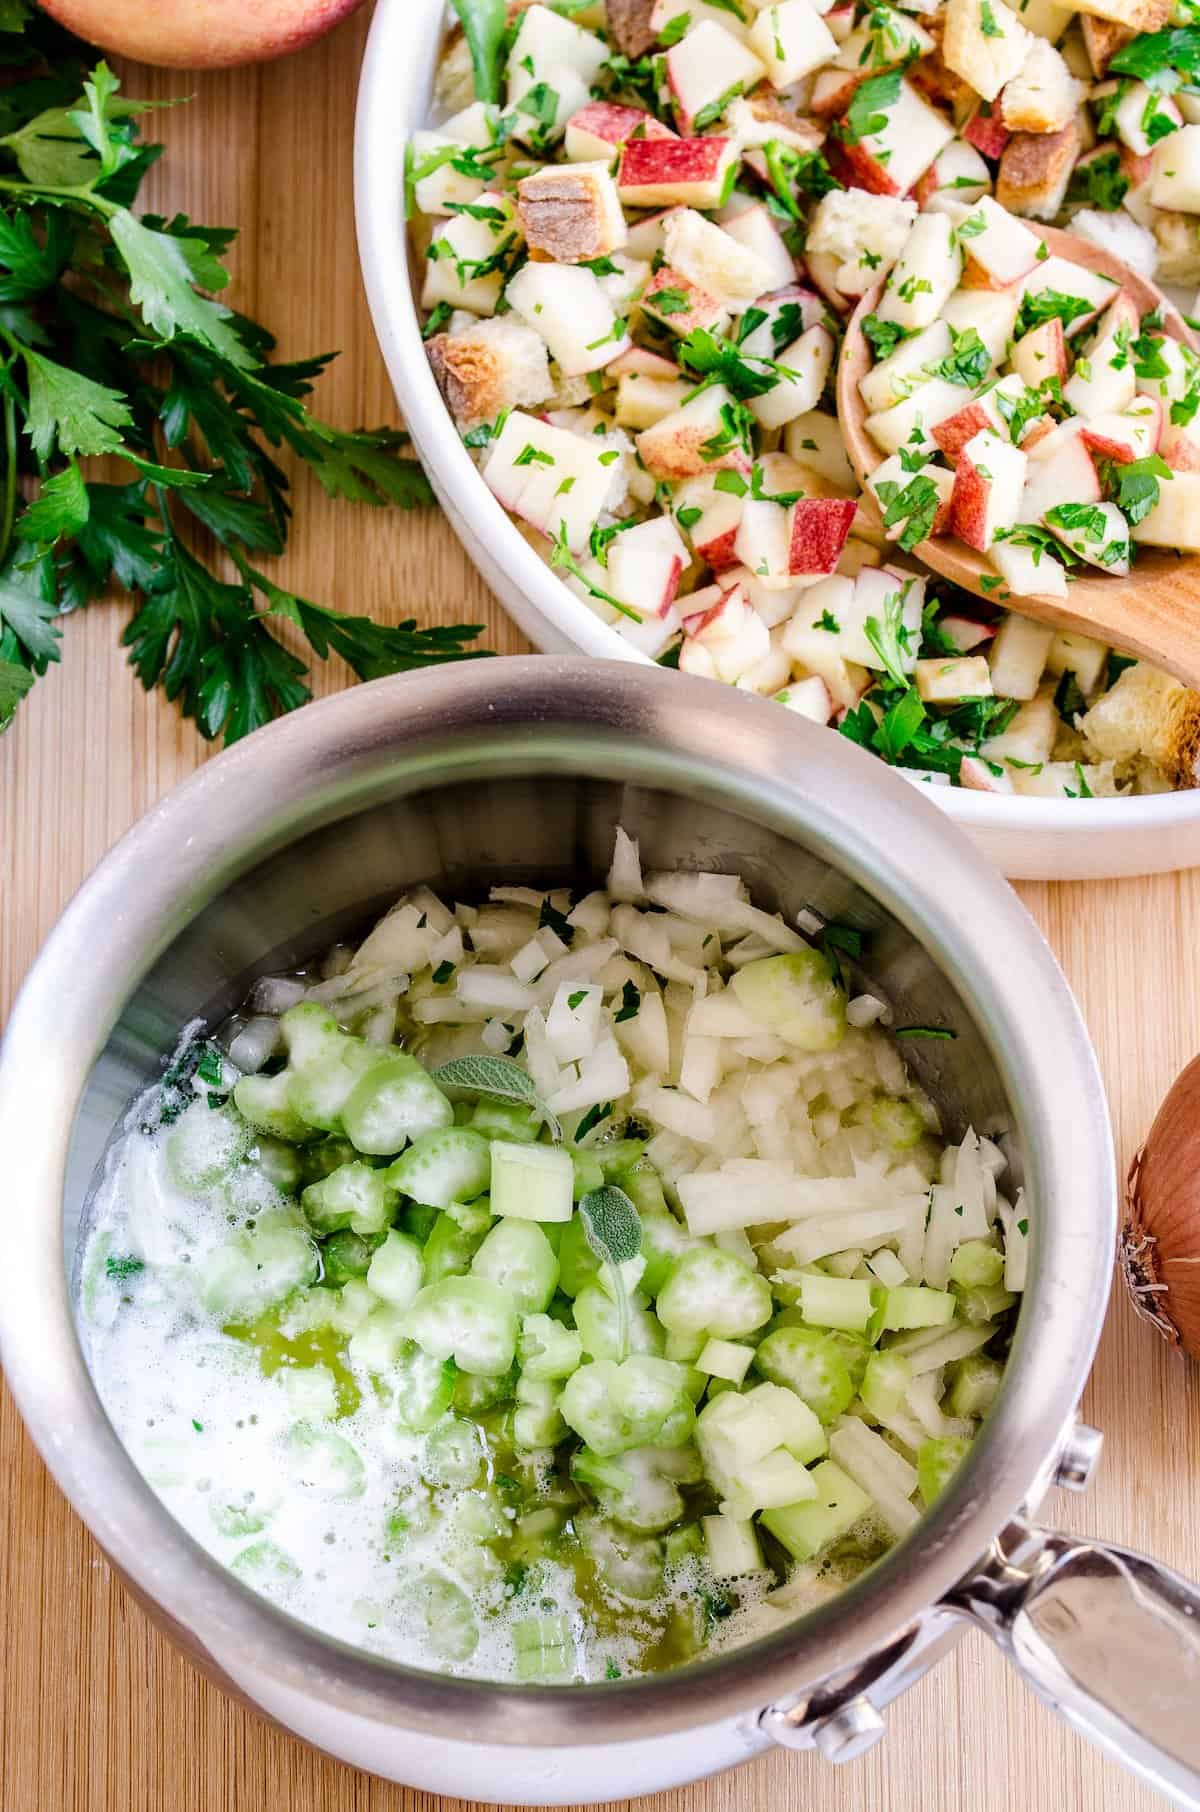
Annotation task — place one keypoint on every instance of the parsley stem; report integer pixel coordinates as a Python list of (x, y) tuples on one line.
[(82, 194), (10, 476)]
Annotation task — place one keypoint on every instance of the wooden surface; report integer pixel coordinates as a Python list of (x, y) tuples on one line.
[(99, 1713)]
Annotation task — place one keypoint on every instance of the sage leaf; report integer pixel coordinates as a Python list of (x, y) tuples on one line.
[(611, 1224), (499, 1076)]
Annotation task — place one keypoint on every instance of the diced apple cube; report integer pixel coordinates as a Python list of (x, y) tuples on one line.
[(1060, 470), (957, 177), (805, 366), (924, 275), (691, 173), (763, 541), (1030, 735), (1175, 519), (599, 128), (1081, 655), (1176, 179), (767, 676), (1068, 780), (1131, 435), (694, 12), (1003, 248), (460, 252), (1028, 572), (733, 634), (1059, 276), (551, 67), (808, 698), (991, 313), (1141, 117), (894, 378), (985, 43), (1041, 354), (1180, 363), (890, 161), (681, 305), (713, 259), (644, 565), (1097, 532), (651, 635), (819, 528), (787, 313), (898, 505), (1017, 657), (550, 477), (943, 681), (754, 229), (642, 401), (987, 132), (701, 437), (437, 185), (987, 489), (710, 518), (911, 422), (881, 594), (571, 212), (791, 40), (566, 305), (815, 441), (984, 410), (706, 67), (1103, 381), (979, 776)]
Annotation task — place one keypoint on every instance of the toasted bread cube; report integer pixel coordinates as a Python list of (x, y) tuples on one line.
[(985, 43), (1134, 15), (551, 67), (924, 275), (565, 305), (1043, 96), (943, 681), (1035, 171), (791, 39), (492, 365), (1147, 713), (694, 439), (865, 232), (1102, 40), (572, 212), (630, 27), (713, 260), (1177, 236)]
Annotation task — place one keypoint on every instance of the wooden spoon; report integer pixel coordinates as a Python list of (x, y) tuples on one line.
[(1155, 611)]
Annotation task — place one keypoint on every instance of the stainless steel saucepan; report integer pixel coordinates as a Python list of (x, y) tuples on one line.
[(520, 769)]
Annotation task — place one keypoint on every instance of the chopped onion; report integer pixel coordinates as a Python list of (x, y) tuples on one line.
[(258, 1040)]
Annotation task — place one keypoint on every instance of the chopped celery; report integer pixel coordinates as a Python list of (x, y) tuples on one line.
[(775, 1480), (735, 1430), (629, 1564), (454, 1454), (344, 1255), (418, 1220), (325, 1156), (258, 1268), (664, 1242), (467, 1319), (685, 1348), (205, 1144), (511, 1120), (544, 1648), (937, 1462), (684, 1544), (577, 1263), (325, 1064), (378, 1340), (423, 1388), (977, 1265), (444, 1612), (517, 1257), (546, 1349), (396, 1270), (352, 1196), (531, 1182), (265, 1102), (537, 1421), (587, 1172), (975, 1385), (810, 1363), (451, 1246), (395, 1101), (898, 1122), (976, 1307), (452, 1165), (265, 1567), (808, 1528), (709, 1292), (885, 1384), (324, 1462), (732, 1546), (798, 997), (643, 1186), (913, 1306), (641, 1402), (473, 1395), (837, 1302), (724, 1359), (598, 1320), (640, 1488)]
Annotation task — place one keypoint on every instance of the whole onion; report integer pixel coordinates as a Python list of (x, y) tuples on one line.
[(1160, 1242)]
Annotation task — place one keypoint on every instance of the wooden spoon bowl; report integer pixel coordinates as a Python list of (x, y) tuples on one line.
[(1155, 611)]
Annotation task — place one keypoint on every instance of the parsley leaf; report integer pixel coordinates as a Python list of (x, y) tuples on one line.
[(1099, 182), (867, 112), (1048, 305), (885, 336), (891, 639), (1153, 52), (1136, 485)]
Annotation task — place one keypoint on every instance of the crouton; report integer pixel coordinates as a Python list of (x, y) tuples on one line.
[(1035, 170), (572, 212), (714, 260), (493, 365), (866, 233), (1178, 239), (985, 43), (1043, 96), (1135, 15), (454, 82), (757, 119), (629, 26), (1121, 235), (1148, 714), (933, 78), (1102, 39)]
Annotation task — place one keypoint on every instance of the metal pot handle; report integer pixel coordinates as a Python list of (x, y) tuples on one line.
[(1107, 1638)]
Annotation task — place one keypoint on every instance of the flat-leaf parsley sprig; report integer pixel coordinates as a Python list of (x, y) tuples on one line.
[(113, 342)]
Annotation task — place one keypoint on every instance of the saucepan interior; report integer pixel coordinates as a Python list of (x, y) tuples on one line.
[(515, 773)]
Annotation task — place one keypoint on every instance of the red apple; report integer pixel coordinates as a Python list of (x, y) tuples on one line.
[(976, 774), (200, 34), (987, 132), (597, 128), (659, 172), (731, 603), (820, 528), (639, 361), (965, 634), (702, 310), (833, 90), (859, 168), (956, 430)]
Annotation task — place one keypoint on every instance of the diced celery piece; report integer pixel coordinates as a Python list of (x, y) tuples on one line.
[(325, 1066), (511, 1120), (324, 1157), (629, 1564), (732, 1546), (709, 1292), (467, 1319), (587, 1172), (424, 1389), (452, 1165), (264, 1566), (444, 1612), (975, 1385), (617, 1156), (810, 1363), (265, 1102), (775, 1480), (474, 1395), (685, 1349), (885, 1384), (517, 1257), (599, 1323), (977, 1265), (798, 997), (577, 1263), (547, 1349), (395, 1101), (735, 1430), (344, 1255), (543, 1648), (418, 1219), (638, 1403), (937, 1462), (258, 1268), (898, 1122), (837, 1302), (639, 1489), (378, 1340), (397, 1270), (324, 1462), (644, 1189), (454, 1454), (238, 1513), (684, 1544), (532, 1182), (353, 1196), (805, 1529), (977, 1307), (914, 1306), (451, 1246), (205, 1144), (725, 1359), (537, 1421), (664, 1242)]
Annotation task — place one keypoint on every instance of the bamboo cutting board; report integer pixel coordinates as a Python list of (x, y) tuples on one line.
[(99, 1713)]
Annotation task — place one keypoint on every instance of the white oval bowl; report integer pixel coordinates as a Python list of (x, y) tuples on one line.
[(1029, 839)]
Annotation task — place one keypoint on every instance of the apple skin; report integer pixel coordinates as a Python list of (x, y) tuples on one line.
[(200, 34)]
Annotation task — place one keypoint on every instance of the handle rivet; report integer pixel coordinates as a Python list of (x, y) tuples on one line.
[(1078, 1457), (850, 1731)]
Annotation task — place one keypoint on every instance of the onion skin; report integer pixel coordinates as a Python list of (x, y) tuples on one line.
[(1160, 1241)]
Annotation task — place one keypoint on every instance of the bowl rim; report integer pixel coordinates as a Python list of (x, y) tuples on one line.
[(394, 83), (398, 735)]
